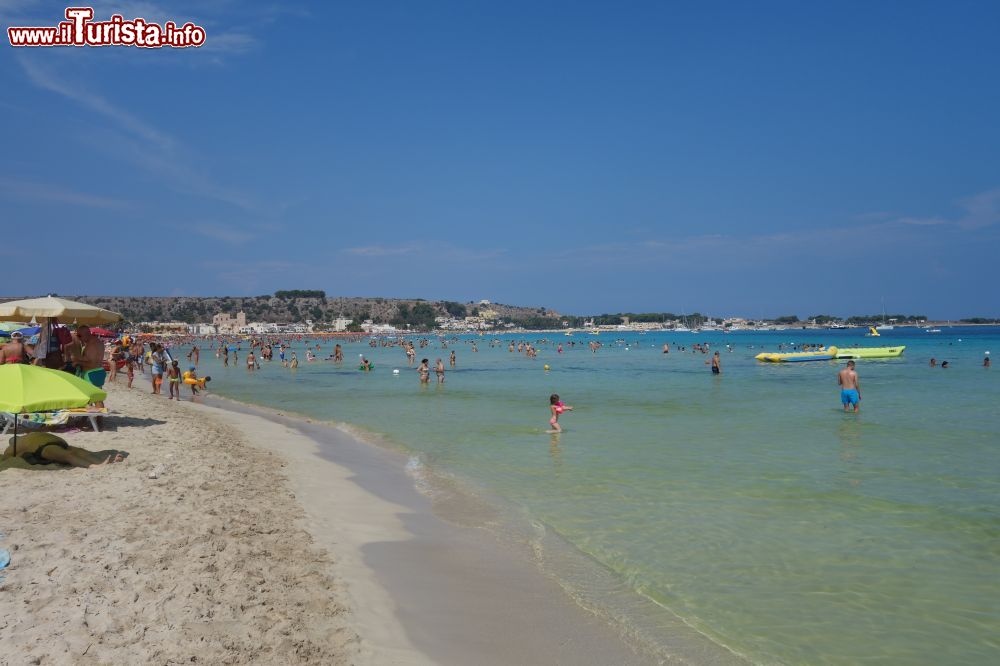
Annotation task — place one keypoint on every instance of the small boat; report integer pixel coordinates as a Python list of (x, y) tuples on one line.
[(884, 326), (827, 354), (872, 333), (870, 352), (933, 330)]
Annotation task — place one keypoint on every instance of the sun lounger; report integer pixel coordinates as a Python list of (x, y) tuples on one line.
[(58, 417)]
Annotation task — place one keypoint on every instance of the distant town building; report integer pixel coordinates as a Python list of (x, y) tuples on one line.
[(341, 324), (202, 329), (378, 329), (225, 323)]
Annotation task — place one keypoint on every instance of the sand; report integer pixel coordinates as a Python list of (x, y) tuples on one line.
[(208, 563), (264, 539)]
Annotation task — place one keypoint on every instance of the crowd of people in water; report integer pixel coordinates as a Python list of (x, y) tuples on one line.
[(142, 355)]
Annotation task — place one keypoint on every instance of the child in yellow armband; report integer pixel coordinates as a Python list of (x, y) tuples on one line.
[(192, 379)]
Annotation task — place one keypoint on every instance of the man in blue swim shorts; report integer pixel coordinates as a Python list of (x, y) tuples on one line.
[(850, 387)]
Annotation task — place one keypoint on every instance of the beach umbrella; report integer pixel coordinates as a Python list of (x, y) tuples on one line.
[(32, 388), (29, 331), (103, 332), (51, 307)]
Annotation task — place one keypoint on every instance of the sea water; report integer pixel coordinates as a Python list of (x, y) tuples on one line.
[(747, 505)]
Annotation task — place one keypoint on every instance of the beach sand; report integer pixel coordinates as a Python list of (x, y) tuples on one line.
[(208, 563), (264, 539)]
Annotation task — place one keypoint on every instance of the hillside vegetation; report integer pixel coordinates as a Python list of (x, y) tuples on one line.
[(285, 307)]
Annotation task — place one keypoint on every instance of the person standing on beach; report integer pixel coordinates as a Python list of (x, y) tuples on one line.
[(850, 387), (157, 361), (174, 380), (89, 358)]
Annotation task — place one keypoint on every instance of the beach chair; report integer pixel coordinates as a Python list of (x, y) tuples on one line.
[(54, 418)]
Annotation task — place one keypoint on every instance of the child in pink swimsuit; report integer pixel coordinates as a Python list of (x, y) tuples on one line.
[(557, 407)]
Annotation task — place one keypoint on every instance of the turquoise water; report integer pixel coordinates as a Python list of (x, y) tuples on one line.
[(748, 504)]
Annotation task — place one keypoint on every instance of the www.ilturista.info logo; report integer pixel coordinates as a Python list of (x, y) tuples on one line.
[(79, 29)]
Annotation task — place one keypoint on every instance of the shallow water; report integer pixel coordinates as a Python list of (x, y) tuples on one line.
[(748, 504)]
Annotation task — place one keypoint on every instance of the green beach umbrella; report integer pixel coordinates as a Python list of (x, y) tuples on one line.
[(31, 388)]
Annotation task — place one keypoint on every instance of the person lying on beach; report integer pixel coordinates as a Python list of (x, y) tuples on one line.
[(44, 448)]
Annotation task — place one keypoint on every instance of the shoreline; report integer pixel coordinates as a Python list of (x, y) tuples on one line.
[(341, 557), (580, 591), (460, 593)]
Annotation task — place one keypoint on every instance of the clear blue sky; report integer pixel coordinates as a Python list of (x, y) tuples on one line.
[(728, 157)]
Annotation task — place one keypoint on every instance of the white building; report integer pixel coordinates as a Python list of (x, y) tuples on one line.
[(202, 329), (341, 324)]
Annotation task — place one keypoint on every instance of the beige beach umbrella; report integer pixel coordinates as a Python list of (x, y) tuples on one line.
[(51, 307)]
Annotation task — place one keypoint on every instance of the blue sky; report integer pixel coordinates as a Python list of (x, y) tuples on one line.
[(753, 159)]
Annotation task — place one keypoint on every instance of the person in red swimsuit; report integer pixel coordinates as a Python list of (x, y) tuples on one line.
[(14, 351)]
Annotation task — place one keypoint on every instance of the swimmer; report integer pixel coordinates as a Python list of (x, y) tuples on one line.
[(439, 370), (986, 360), (556, 407), (850, 387), (716, 364), (451, 359), (933, 362), (424, 371)]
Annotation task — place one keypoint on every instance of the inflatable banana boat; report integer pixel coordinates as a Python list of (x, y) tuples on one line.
[(871, 352), (818, 355)]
